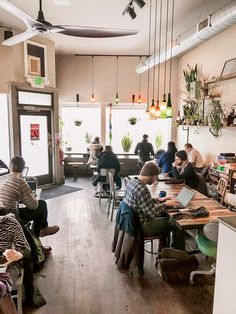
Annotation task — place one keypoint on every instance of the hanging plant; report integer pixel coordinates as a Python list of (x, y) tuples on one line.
[(215, 116), (126, 142), (132, 120), (78, 122), (158, 140)]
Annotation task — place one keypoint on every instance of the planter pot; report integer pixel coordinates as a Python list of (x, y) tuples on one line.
[(68, 149)]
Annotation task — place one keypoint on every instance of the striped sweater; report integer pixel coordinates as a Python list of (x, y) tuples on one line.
[(14, 189), (12, 235)]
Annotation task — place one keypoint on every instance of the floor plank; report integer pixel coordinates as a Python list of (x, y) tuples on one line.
[(81, 277)]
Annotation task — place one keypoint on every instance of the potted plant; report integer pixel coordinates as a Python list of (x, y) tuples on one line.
[(133, 120), (215, 116), (158, 140), (78, 122), (191, 111), (191, 84), (126, 142)]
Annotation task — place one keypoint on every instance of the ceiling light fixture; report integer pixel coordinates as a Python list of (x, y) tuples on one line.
[(152, 108), (130, 8), (92, 97), (140, 3), (139, 87), (158, 110), (117, 77), (169, 104), (62, 2), (149, 51)]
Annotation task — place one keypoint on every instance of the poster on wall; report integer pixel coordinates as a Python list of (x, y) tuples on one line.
[(34, 132), (35, 57)]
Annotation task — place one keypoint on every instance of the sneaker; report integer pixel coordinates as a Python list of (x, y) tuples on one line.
[(49, 231), (47, 250), (38, 299)]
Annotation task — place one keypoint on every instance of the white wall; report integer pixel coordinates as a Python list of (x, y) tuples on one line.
[(211, 56)]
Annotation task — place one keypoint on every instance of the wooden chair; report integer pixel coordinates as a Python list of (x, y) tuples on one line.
[(221, 189), (104, 180), (115, 196), (230, 200)]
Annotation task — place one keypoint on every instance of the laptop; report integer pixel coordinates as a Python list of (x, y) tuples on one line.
[(184, 197)]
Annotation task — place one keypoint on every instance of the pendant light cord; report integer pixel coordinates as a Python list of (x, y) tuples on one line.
[(92, 78), (149, 50), (167, 11), (154, 54), (159, 47), (139, 79), (171, 43), (117, 74)]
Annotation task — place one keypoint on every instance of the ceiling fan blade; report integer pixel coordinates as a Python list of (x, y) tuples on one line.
[(19, 38), (95, 32), (11, 8)]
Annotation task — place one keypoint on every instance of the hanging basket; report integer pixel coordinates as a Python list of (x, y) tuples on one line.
[(78, 122)]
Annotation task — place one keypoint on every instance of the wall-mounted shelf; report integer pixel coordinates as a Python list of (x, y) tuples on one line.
[(222, 78)]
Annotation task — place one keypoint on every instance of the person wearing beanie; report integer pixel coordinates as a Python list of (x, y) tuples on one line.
[(167, 158), (183, 169), (138, 199), (145, 151)]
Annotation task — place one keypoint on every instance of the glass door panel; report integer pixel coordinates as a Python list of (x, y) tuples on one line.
[(35, 144)]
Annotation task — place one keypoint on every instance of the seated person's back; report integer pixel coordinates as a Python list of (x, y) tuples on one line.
[(167, 158)]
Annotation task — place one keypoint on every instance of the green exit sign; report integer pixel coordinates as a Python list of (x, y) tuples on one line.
[(38, 80)]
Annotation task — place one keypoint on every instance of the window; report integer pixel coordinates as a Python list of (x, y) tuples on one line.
[(76, 136), (4, 130), (121, 126)]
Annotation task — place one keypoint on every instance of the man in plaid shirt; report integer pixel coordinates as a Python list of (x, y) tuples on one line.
[(138, 197)]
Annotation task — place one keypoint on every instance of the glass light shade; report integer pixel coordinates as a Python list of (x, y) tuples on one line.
[(152, 108), (157, 110), (139, 99), (92, 98), (163, 106), (169, 107), (169, 112), (117, 98)]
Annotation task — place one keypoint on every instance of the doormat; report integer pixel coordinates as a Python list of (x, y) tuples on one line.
[(57, 190)]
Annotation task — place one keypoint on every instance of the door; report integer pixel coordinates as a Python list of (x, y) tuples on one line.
[(36, 144)]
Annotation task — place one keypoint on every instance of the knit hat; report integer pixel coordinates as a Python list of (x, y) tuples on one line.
[(149, 169), (182, 155)]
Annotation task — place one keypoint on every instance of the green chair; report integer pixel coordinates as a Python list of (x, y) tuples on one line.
[(207, 244)]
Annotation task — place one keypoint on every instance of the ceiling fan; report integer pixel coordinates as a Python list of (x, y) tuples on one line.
[(40, 26)]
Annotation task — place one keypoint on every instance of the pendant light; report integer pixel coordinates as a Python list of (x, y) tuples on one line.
[(92, 96), (158, 111), (152, 108), (139, 86), (163, 104), (117, 76), (149, 52), (169, 104)]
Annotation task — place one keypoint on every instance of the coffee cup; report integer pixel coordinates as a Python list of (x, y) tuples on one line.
[(162, 193)]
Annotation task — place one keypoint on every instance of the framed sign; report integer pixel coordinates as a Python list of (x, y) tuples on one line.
[(229, 67), (34, 132), (35, 57)]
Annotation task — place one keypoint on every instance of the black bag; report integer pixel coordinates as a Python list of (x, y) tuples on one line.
[(175, 266), (37, 252)]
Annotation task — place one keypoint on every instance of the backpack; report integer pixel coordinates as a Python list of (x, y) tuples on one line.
[(175, 266), (37, 252)]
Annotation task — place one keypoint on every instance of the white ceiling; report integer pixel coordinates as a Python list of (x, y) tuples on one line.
[(108, 13)]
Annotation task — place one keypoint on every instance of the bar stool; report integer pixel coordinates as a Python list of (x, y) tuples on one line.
[(75, 165)]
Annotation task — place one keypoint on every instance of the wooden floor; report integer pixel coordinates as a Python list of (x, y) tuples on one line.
[(81, 277)]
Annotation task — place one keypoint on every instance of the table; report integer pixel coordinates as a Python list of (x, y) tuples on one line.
[(215, 209)]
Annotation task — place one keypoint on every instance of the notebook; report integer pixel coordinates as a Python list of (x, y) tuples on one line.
[(184, 197)]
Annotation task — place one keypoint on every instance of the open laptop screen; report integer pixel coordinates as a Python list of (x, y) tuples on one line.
[(185, 196)]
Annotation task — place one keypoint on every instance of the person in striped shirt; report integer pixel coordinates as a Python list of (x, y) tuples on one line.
[(13, 189), (14, 248)]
